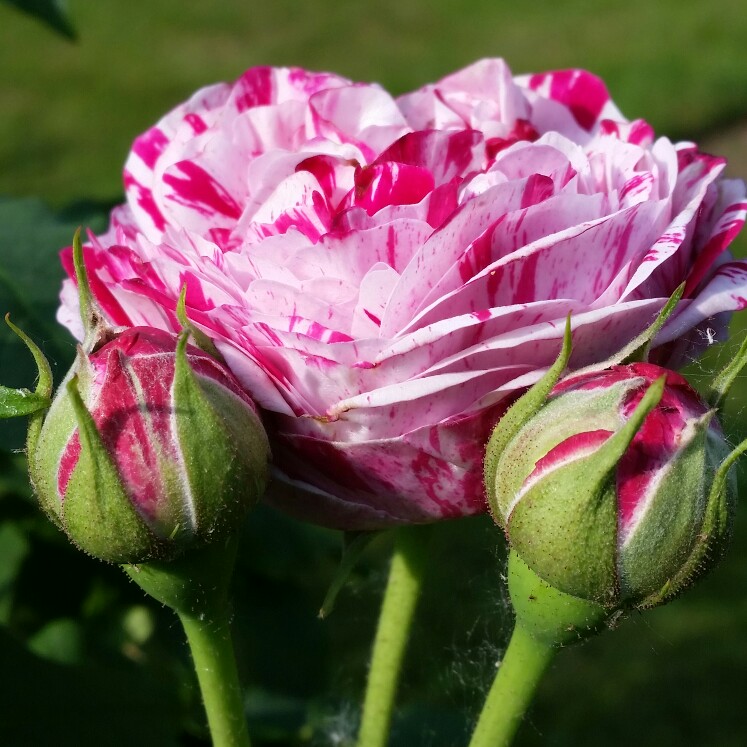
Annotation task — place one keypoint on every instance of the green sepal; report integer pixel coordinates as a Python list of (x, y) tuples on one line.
[(714, 535), (354, 545), (44, 383), (547, 614), (721, 384), (97, 330), (20, 402), (639, 348), (43, 387), (667, 533), (225, 457), (201, 339), (97, 514), (517, 415), (85, 298), (565, 525), (194, 583)]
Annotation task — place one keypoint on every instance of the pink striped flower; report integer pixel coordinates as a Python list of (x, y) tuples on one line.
[(148, 458), (609, 497), (383, 274)]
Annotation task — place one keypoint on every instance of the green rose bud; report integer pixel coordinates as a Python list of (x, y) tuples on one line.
[(150, 447), (615, 488)]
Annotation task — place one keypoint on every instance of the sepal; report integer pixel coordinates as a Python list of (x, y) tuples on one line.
[(96, 512), (518, 415), (722, 383), (231, 474), (20, 402), (547, 614), (200, 338)]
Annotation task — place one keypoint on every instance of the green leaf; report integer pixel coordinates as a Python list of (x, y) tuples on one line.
[(14, 547), (224, 448), (51, 12), (60, 640)]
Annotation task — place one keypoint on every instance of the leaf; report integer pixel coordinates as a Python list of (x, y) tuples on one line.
[(31, 236), (51, 12)]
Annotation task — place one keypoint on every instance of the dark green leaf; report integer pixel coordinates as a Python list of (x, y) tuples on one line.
[(51, 12)]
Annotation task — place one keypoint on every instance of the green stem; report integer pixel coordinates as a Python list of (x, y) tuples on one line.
[(196, 586), (212, 652), (546, 619), (397, 611), (520, 672)]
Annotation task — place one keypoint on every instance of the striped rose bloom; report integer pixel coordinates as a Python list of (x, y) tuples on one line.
[(384, 274)]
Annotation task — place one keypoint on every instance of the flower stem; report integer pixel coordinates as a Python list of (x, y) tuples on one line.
[(400, 599), (212, 652), (546, 619), (196, 586), (520, 672)]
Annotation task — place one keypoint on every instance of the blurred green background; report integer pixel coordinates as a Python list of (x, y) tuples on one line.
[(84, 658)]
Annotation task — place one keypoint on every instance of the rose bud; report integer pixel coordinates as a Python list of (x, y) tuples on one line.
[(615, 489), (150, 446)]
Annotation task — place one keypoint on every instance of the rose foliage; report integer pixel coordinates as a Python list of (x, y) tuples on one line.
[(384, 274)]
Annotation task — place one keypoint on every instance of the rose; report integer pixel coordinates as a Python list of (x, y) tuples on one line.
[(149, 449), (615, 489), (383, 275)]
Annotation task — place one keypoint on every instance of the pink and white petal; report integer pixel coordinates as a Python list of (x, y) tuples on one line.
[(445, 155), (724, 232), (68, 313), (400, 408), (365, 115), (391, 477), (277, 299), (516, 229), (536, 346), (484, 95), (542, 269), (351, 255), (297, 202), (444, 247), (408, 355), (375, 289), (194, 198), (267, 128), (382, 185), (584, 94), (671, 252), (725, 291)]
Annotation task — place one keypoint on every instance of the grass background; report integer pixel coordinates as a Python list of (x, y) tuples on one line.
[(84, 659)]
